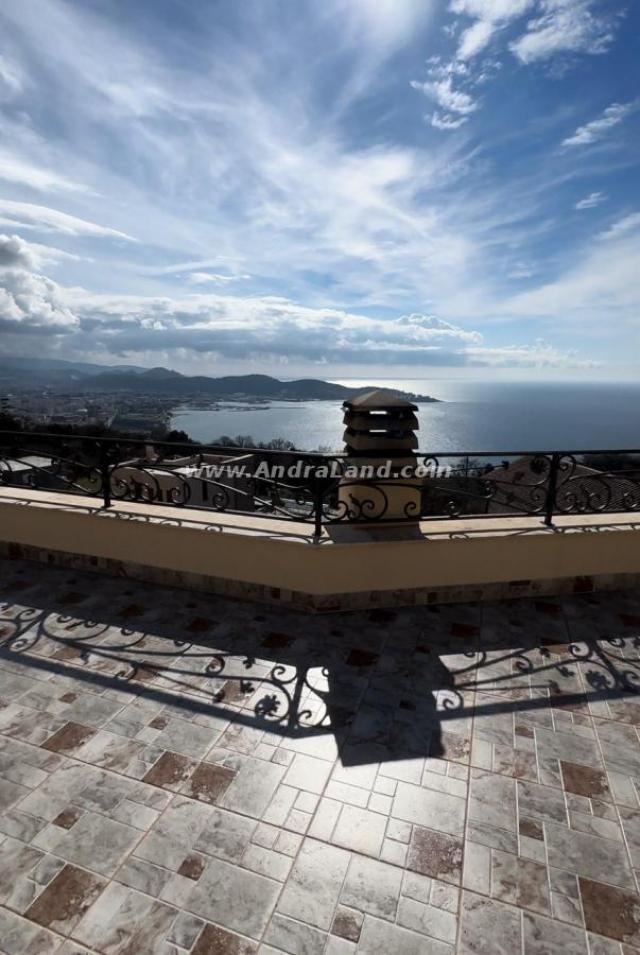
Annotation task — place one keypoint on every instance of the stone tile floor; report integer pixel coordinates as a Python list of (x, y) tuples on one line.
[(183, 773)]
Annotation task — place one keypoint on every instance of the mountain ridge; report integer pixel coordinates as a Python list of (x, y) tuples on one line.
[(62, 376)]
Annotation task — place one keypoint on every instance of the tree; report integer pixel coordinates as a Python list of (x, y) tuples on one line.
[(179, 437), (8, 422)]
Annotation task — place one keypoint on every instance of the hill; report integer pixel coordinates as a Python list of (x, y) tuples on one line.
[(81, 377)]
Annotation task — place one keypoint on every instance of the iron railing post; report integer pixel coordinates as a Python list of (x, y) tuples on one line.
[(551, 488), (104, 472), (317, 507)]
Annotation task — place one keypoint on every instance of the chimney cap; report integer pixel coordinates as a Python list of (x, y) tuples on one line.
[(378, 399)]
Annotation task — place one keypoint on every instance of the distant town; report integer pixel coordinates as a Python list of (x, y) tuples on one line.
[(131, 399)]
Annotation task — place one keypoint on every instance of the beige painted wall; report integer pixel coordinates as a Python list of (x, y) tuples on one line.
[(351, 560)]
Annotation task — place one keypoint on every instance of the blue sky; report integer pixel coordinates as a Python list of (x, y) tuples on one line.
[(352, 187)]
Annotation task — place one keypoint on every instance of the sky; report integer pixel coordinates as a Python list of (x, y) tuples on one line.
[(336, 188)]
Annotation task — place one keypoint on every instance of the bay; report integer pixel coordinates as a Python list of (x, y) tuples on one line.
[(471, 417)]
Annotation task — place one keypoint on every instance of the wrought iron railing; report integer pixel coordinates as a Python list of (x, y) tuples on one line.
[(323, 489)]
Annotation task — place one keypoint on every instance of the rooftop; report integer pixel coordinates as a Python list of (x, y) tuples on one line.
[(181, 772)]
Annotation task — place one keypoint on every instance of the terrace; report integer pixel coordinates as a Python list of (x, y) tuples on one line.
[(244, 712), (190, 773)]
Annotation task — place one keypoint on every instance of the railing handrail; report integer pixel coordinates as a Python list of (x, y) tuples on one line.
[(235, 449), (561, 482)]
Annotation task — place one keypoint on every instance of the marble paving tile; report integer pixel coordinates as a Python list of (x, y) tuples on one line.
[(611, 912), (428, 920), (372, 887), (92, 710), (359, 830), (69, 738), (186, 738), (174, 834), (520, 881), (379, 936), (11, 793), (542, 936), (171, 771), (372, 833), (428, 808), (97, 843), (488, 927), (208, 782), (20, 936), (225, 835), (65, 900), (347, 924), (541, 802), (123, 919), (492, 800), (144, 876), (435, 854), (308, 772), (314, 886), (235, 898), (289, 935), (17, 864), (589, 856), (215, 940), (585, 781), (253, 787)]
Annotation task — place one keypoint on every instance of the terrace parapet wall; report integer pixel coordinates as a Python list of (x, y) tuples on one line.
[(347, 567)]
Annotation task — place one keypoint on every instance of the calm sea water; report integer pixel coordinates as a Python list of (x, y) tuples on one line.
[(472, 416)]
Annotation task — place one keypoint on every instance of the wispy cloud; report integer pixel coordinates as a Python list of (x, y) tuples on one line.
[(555, 29), (284, 193), (215, 278), (598, 128), (17, 170), (10, 80), (602, 286), (44, 219), (456, 103), (567, 26), (490, 16), (591, 201), (622, 227)]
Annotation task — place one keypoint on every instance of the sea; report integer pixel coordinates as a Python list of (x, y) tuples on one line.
[(470, 417)]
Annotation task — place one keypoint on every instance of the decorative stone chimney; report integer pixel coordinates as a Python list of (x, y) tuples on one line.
[(380, 442)]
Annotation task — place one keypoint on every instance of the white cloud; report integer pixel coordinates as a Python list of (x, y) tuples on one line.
[(540, 354), (490, 16), (446, 120), (475, 38), (565, 26), (42, 218), (591, 132), (457, 103), (17, 170), (384, 24), (591, 201), (556, 27), (231, 163), (15, 253), (10, 80), (601, 287), (622, 227), (217, 278), (27, 299), (236, 328)]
